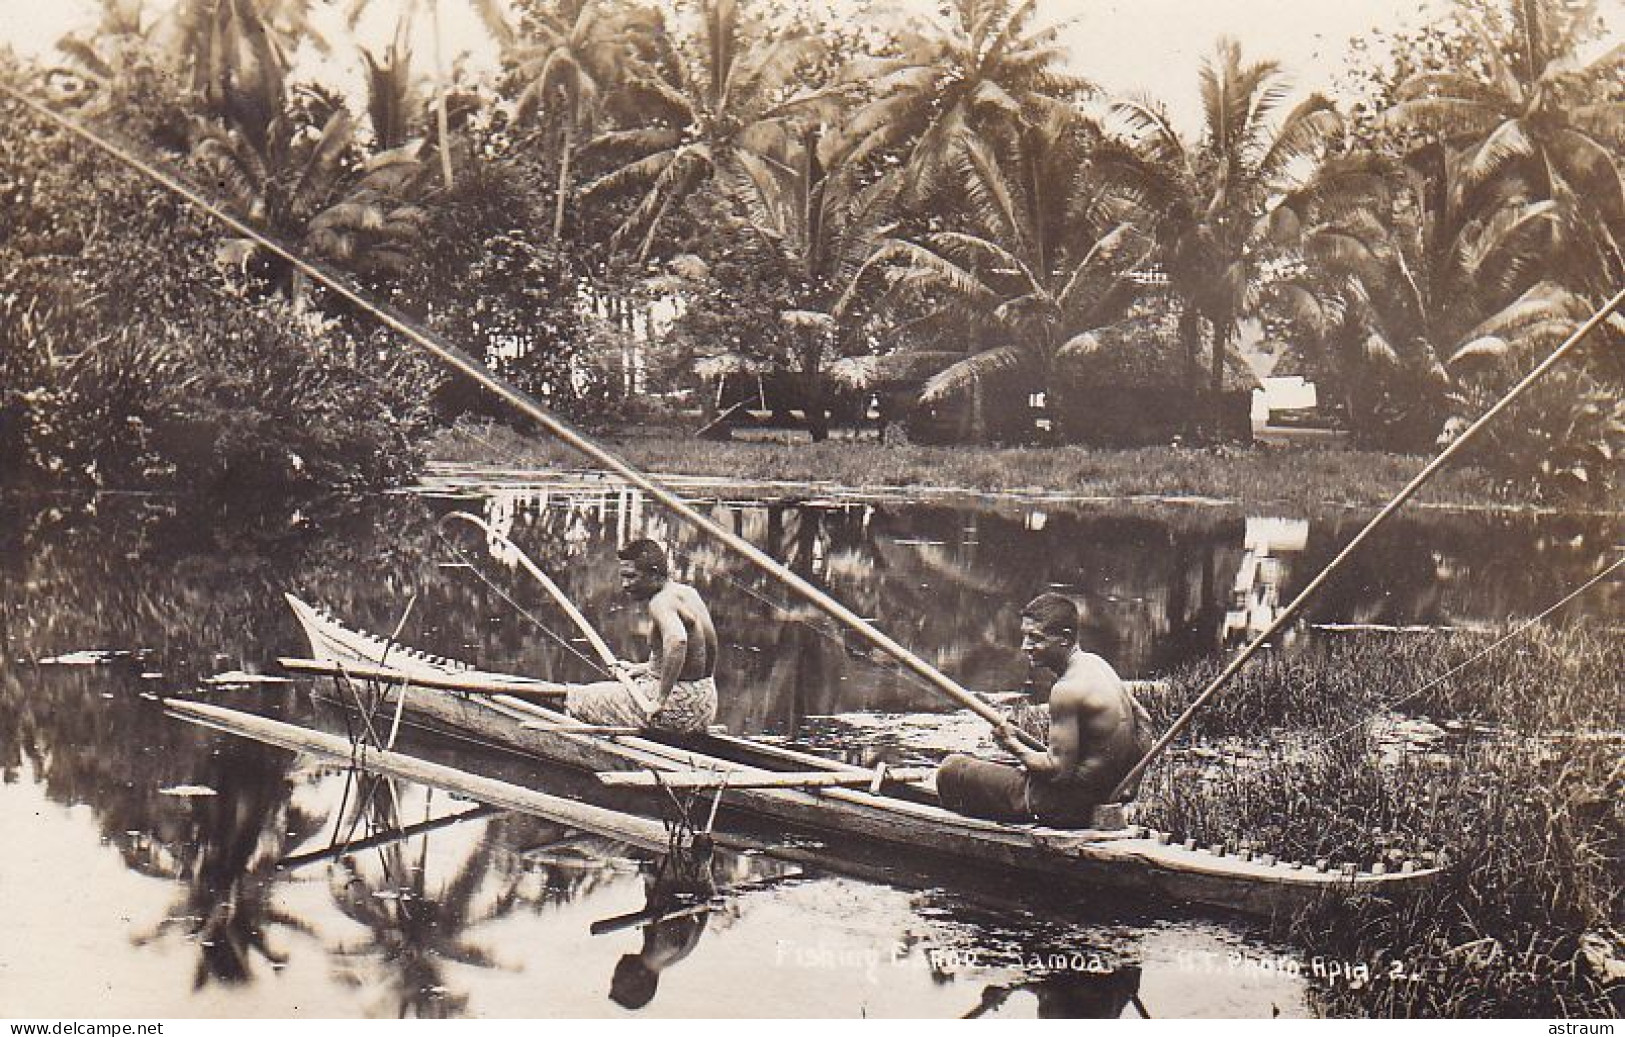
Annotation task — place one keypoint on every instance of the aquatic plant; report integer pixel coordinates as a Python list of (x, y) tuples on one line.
[(1522, 808)]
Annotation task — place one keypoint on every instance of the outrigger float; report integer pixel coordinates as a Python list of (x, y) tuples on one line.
[(807, 792)]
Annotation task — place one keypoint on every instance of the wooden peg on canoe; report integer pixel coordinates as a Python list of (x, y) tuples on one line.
[(879, 778)]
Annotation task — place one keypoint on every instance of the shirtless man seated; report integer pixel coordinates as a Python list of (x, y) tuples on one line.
[(677, 685), (1096, 733)]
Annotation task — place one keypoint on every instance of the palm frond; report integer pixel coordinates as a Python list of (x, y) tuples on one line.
[(1502, 76), (1591, 170), (776, 66), (989, 196), (226, 163), (1156, 137), (495, 20), (1458, 85), (1505, 145), (959, 246), (317, 174), (639, 171), (1304, 134), (1605, 121), (814, 320), (1500, 248), (960, 377), (1084, 344), (1541, 303), (349, 215), (1577, 65), (1104, 268), (1451, 118), (1481, 350)]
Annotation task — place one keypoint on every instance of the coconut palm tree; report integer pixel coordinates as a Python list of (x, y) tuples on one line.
[(804, 198), (491, 16), (1525, 113), (1042, 270), (1211, 204), (579, 53), (301, 186), (1408, 281), (718, 95), (981, 72)]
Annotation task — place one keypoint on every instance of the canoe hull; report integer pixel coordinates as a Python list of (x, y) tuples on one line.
[(1128, 859)]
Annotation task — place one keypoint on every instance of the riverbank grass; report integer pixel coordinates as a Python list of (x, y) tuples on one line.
[(1301, 477)]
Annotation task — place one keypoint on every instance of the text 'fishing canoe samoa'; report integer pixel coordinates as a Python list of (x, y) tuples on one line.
[(449, 695)]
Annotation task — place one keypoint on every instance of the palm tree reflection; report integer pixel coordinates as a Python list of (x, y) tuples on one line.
[(226, 848), (415, 926)]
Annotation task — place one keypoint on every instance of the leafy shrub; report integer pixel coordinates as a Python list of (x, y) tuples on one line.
[(125, 362)]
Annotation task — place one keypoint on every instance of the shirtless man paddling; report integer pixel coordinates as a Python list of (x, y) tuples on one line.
[(679, 678), (1096, 732)]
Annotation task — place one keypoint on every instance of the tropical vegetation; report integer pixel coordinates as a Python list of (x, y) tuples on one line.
[(939, 209)]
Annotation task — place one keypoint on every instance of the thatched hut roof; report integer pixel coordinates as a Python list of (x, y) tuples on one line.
[(724, 364), (869, 372)]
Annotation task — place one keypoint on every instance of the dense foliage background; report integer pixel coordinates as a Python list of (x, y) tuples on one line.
[(941, 210)]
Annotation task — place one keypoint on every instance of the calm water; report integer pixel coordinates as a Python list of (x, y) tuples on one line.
[(125, 892)]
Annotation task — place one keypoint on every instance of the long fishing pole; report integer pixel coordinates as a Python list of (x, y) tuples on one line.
[(1287, 614), (533, 409)]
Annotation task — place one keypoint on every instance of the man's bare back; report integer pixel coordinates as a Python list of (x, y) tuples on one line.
[(1096, 733), (674, 688), (1093, 737), (682, 624)]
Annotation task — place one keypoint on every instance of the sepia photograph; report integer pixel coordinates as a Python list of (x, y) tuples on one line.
[(811, 509)]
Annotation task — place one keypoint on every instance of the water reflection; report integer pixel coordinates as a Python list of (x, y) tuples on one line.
[(269, 894), (677, 893), (1162, 587), (1268, 545), (223, 849), (1078, 994), (415, 919)]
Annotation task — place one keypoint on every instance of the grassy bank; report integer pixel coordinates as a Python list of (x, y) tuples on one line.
[(1522, 804), (1301, 477)]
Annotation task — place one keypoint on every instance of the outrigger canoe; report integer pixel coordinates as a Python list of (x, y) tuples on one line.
[(1129, 858)]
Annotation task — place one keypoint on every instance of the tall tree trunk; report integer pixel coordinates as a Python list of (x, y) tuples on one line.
[(567, 152), (442, 123), (812, 389), (654, 225), (1221, 347), (978, 410), (1054, 408), (1190, 335)]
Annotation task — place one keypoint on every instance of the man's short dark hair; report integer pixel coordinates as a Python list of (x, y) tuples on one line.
[(1054, 614), (648, 556)]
